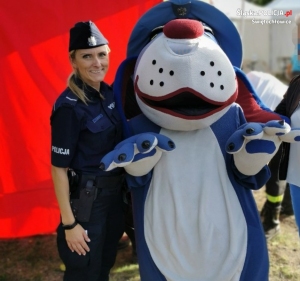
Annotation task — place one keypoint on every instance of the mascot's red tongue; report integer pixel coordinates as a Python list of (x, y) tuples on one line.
[(183, 29)]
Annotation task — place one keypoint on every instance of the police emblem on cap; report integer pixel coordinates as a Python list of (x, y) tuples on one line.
[(182, 11), (92, 41), (85, 35)]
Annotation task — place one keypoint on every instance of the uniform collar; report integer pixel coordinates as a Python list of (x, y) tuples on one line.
[(91, 93)]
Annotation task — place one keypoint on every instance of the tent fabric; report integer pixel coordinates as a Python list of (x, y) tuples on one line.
[(266, 46), (230, 8), (285, 5), (34, 69), (268, 88)]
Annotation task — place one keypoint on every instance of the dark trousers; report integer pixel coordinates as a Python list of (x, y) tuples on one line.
[(129, 225), (105, 228), (274, 186)]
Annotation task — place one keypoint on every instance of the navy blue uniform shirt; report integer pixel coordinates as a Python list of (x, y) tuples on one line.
[(82, 134)]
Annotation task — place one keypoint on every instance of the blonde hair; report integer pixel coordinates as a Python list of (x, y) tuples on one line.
[(72, 84)]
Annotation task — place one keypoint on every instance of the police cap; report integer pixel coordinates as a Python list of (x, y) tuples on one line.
[(86, 35)]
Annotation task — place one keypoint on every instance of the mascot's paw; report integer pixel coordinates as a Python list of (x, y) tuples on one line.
[(257, 133), (138, 154), (292, 136), (254, 144)]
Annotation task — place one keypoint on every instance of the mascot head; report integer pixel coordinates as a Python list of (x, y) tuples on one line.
[(183, 69), (183, 79)]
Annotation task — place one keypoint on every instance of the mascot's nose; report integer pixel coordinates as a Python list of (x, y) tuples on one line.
[(183, 29)]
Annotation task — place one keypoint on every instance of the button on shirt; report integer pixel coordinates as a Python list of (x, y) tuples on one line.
[(83, 134)]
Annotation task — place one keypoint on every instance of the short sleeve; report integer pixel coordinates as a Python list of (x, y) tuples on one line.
[(65, 128)]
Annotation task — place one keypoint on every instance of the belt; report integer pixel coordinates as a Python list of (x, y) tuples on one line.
[(101, 182)]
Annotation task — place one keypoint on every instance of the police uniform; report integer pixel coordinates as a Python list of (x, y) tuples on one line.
[(81, 135)]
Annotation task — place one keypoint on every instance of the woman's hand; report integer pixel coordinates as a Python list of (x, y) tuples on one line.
[(76, 240), (76, 237)]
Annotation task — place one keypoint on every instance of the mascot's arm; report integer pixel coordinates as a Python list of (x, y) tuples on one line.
[(254, 144), (251, 182), (137, 154)]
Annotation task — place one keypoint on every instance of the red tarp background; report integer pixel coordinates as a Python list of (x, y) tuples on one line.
[(34, 69)]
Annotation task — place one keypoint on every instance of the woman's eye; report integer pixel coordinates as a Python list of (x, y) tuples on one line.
[(86, 56), (101, 55)]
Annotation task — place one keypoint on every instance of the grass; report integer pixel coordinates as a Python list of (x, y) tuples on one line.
[(36, 258)]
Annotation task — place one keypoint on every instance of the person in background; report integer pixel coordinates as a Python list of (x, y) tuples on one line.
[(293, 68), (85, 125), (290, 162), (278, 200)]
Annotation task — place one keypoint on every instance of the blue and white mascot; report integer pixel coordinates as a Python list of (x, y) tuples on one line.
[(198, 148)]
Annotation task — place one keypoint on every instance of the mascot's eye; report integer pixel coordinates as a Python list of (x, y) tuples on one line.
[(156, 31), (250, 131), (230, 146), (211, 36), (122, 157), (171, 144)]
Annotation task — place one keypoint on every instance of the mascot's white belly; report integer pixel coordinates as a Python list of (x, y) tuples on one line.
[(194, 225)]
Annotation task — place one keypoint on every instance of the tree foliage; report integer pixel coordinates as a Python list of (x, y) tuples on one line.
[(260, 2)]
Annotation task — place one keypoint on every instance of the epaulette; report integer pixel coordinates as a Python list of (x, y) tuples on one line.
[(67, 98), (70, 98)]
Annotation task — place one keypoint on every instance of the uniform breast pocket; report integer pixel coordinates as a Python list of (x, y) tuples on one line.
[(99, 134)]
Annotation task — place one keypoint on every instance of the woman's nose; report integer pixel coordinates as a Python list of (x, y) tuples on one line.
[(97, 61), (183, 29)]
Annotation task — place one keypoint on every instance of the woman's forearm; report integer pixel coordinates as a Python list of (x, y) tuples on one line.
[(62, 191)]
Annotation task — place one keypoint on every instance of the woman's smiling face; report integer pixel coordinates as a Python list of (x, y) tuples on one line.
[(91, 64)]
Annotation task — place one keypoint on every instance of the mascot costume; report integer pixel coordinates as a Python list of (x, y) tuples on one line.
[(198, 148)]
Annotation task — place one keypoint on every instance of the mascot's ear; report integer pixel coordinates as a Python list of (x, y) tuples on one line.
[(254, 109), (124, 92)]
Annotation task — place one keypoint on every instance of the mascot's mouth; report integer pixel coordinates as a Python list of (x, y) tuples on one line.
[(184, 103)]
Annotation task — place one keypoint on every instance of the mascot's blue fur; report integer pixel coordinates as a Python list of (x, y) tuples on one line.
[(198, 148)]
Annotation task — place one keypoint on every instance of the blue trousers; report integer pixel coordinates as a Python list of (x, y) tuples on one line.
[(295, 194), (105, 228)]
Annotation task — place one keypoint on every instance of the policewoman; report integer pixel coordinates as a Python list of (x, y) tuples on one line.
[(85, 125)]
